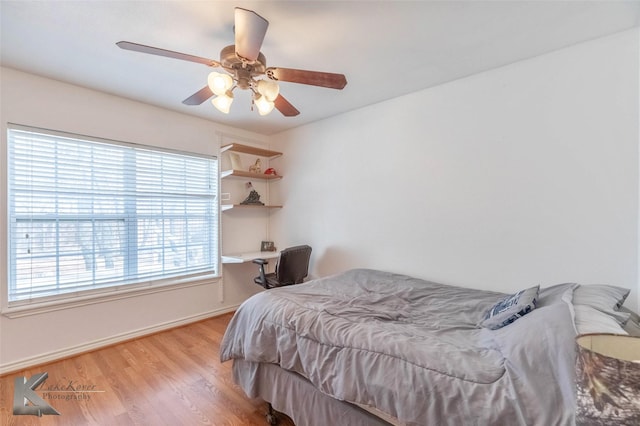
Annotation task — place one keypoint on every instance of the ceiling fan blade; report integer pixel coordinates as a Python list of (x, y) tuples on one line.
[(250, 29), (199, 97), (285, 107), (127, 45), (314, 78)]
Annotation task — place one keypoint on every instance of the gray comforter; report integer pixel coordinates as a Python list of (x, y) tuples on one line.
[(412, 348)]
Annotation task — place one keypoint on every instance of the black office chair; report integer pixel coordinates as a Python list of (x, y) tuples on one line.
[(292, 268)]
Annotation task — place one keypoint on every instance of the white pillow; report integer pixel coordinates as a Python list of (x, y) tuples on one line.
[(590, 320), (605, 298)]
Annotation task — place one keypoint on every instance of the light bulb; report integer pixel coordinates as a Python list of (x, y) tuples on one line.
[(269, 89), (223, 102), (264, 105), (219, 83)]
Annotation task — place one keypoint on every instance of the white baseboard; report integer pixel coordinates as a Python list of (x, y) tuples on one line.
[(100, 343)]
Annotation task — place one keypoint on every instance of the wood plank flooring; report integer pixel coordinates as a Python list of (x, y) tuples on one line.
[(169, 378)]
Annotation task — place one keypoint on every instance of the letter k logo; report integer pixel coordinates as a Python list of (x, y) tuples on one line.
[(24, 391)]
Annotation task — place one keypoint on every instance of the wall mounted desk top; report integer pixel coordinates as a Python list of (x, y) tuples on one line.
[(248, 257)]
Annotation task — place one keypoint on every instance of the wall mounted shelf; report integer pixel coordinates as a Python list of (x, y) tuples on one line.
[(233, 149), (225, 207), (243, 174), (252, 150)]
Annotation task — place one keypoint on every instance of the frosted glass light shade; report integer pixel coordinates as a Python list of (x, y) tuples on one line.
[(269, 89), (223, 102), (264, 105), (219, 83)]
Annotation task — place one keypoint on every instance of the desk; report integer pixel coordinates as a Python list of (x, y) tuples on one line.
[(248, 257)]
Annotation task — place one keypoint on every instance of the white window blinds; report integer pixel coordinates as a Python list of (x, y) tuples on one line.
[(88, 214)]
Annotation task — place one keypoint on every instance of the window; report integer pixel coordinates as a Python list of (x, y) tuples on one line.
[(87, 214)]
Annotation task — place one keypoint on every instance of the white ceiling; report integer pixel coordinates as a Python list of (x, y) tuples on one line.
[(385, 48)]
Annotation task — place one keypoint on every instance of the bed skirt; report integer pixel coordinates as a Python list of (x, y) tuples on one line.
[(301, 401)]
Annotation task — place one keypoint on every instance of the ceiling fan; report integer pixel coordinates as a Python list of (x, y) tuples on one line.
[(245, 67)]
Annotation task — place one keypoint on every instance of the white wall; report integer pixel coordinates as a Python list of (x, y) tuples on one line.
[(522, 175), (35, 101)]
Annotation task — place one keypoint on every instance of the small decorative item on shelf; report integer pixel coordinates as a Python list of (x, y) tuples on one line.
[(267, 246), (256, 167), (236, 161), (271, 171), (253, 198)]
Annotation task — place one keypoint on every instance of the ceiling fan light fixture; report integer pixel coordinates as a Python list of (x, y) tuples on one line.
[(219, 83), (264, 105), (244, 67), (223, 102), (269, 89)]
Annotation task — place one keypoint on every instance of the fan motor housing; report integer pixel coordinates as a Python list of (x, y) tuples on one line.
[(230, 61)]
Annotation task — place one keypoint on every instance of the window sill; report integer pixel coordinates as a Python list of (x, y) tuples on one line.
[(23, 309)]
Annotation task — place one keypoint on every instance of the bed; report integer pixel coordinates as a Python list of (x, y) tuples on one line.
[(369, 347)]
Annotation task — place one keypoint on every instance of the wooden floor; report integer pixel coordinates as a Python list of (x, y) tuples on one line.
[(170, 378)]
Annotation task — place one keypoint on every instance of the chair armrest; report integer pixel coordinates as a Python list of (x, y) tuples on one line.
[(262, 279)]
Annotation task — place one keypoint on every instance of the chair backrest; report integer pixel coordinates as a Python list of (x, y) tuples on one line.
[(293, 265)]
